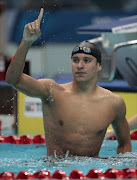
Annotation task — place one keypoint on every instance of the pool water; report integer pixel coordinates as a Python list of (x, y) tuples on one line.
[(15, 158)]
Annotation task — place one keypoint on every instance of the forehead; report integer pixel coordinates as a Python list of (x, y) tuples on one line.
[(83, 55)]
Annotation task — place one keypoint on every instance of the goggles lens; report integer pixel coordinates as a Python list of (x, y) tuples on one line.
[(85, 49)]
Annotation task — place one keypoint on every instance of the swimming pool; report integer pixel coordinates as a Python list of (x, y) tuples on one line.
[(32, 157)]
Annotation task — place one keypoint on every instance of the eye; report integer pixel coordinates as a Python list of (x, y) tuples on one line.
[(75, 60), (87, 60)]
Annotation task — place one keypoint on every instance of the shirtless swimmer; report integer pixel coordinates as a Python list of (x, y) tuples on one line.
[(76, 115)]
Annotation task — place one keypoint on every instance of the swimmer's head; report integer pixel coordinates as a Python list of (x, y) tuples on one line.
[(87, 48)]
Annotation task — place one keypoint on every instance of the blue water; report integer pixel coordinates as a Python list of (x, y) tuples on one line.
[(16, 158)]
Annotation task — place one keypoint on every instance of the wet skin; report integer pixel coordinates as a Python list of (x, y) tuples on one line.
[(77, 122), (76, 115)]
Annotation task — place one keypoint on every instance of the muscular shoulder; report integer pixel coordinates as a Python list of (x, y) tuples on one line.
[(115, 100), (118, 105)]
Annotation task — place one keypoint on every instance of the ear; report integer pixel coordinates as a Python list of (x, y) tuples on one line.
[(99, 67)]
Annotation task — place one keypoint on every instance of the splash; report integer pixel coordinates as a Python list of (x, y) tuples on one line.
[(66, 155)]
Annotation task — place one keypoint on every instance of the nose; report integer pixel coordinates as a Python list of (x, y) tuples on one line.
[(80, 65)]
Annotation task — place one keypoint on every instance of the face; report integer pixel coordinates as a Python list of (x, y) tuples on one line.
[(84, 67)]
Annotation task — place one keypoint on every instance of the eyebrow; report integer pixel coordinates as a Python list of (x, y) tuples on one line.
[(83, 57), (89, 58)]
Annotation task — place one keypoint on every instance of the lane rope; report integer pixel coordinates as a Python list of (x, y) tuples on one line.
[(60, 174), (114, 173), (40, 139)]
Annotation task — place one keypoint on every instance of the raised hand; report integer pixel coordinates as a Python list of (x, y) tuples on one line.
[(32, 30)]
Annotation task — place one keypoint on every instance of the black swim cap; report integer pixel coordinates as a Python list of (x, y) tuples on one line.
[(87, 48)]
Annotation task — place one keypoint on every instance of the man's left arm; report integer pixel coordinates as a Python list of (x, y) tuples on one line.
[(121, 127)]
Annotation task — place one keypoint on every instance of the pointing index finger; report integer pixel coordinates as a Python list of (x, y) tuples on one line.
[(40, 15)]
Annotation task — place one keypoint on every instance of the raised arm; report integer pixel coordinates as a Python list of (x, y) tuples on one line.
[(121, 127), (15, 75)]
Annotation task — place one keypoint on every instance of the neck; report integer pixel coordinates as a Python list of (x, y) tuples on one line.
[(84, 86)]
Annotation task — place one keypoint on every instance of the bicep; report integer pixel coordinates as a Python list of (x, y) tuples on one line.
[(32, 87)]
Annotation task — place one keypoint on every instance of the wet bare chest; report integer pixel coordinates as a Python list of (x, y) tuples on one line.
[(77, 112)]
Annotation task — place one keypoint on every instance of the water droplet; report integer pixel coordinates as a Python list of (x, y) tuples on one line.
[(55, 155), (43, 20)]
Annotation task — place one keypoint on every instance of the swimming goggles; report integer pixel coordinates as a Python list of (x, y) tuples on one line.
[(85, 49)]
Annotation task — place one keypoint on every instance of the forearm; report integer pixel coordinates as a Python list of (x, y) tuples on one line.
[(17, 64), (124, 148)]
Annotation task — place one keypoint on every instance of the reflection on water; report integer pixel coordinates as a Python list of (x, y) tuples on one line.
[(15, 158)]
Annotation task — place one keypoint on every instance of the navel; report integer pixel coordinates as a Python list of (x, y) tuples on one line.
[(61, 123)]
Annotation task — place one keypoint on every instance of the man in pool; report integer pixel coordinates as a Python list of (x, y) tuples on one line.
[(76, 115)]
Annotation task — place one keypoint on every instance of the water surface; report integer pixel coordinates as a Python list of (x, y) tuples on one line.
[(16, 158)]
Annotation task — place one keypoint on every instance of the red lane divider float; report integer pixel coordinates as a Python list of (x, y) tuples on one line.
[(133, 136), (114, 173), (25, 139), (40, 139), (60, 174)]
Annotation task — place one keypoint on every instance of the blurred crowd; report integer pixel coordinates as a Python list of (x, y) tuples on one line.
[(94, 5)]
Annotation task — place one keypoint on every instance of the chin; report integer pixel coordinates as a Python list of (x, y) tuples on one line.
[(81, 79)]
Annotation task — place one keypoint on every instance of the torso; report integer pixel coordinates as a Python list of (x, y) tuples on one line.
[(75, 122)]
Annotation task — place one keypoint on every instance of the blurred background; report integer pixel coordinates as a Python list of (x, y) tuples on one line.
[(65, 23)]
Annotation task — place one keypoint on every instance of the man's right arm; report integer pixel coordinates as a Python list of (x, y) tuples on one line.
[(15, 75), (20, 81), (15, 70)]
